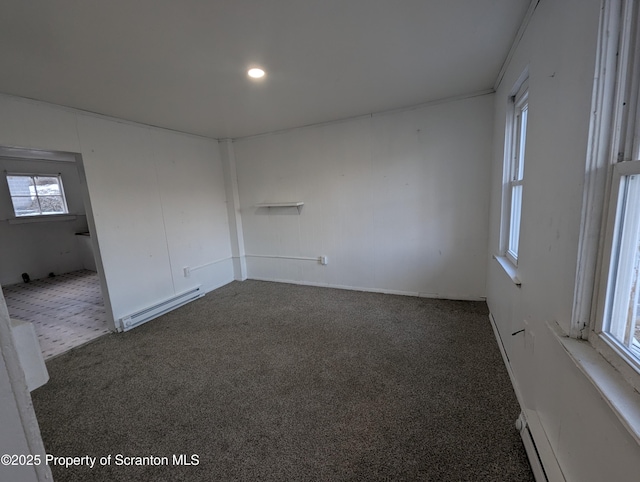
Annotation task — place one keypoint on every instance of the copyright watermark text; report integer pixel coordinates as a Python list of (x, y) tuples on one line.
[(94, 461)]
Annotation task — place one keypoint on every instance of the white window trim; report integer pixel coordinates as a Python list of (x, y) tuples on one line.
[(514, 156), (609, 379), (611, 348), (614, 112), (42, 219), (602, 148), (623, 148), (509, 268)]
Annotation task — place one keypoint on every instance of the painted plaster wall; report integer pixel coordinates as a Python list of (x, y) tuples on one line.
[(157, 198), (42, 247), (12, 436), (559, 48), (20, 434), (397, 201)]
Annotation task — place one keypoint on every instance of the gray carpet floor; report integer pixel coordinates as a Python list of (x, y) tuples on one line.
[(276, 382)]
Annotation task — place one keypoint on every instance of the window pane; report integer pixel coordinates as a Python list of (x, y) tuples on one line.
[(514, 224), (52, 205), (47, 186), (625, 267), (522, 142), (25, 206), (21, 185), (635, 306)]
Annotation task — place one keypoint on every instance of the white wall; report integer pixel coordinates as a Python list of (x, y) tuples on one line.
[(157, 199), (559, 47), (20, 434), (397, 201), (42, 247)]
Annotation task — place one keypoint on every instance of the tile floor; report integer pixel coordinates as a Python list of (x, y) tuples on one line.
[(66, 310)]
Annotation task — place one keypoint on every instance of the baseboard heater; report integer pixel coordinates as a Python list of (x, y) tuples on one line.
[(544, 465), (142, 316), (532, 452)]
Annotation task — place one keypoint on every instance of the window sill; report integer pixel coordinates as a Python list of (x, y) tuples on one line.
[(619, 394), (509, 268), (41, 219)]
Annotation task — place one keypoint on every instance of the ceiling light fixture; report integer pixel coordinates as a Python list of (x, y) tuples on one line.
[(255, 73)]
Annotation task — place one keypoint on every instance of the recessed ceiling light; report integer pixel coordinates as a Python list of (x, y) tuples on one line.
[(255, 73)]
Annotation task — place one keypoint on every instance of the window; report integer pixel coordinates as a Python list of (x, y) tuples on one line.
[(36, 195), (516, 137), (616, 328), (620, 325)]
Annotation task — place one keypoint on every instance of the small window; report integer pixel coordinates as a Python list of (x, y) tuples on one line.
[(514, 168), (622, 306), (36, 195)]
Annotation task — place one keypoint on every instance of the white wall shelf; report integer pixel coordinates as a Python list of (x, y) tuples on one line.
[(294, 204), (281, 205)]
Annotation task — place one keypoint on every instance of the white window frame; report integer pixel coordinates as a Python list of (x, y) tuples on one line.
[(618, 265), (513, 170), (33, 176), (618, 130)]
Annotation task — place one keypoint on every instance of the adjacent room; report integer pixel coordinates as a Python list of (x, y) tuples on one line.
[(48, 271), (320, 240)]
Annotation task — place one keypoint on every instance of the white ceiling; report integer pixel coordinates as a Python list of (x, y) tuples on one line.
[(181, 64)]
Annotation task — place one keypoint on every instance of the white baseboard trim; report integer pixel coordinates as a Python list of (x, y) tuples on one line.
[(443, 296), (209, 289)]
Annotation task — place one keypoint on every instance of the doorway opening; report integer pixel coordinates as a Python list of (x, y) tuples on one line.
[(50, 265)]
